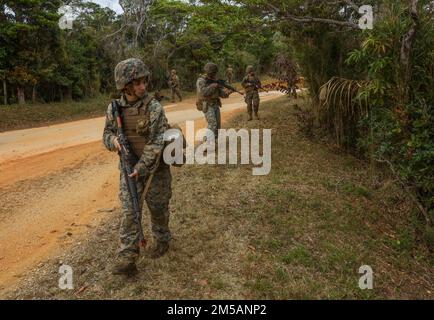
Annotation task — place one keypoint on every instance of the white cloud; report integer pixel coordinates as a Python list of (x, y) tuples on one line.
[(112, 4)]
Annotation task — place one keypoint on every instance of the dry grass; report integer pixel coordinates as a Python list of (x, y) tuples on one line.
[(301, 232), (15, 117)]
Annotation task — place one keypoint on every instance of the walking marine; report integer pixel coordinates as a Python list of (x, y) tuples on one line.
[(174, 85), (209, 92), (135, 128), (144, 122), (229, 74), (252, 84)]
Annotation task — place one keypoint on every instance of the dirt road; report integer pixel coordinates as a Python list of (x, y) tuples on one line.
[(58, 182)]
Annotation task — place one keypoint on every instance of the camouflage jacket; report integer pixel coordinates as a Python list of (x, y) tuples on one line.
[(249, 83), (157, 126), (207, 93), (174, 81)]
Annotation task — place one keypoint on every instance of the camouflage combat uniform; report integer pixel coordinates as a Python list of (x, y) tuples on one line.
[(144, 123), (174, 86), (250, 83), (229, 74), (210, 99)]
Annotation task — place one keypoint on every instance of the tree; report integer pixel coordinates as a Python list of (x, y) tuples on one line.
[(31, 32)]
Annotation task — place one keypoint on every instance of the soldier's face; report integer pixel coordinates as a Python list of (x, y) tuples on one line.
[(140, 87)]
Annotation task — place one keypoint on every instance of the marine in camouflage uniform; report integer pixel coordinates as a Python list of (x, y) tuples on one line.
[(251, 83), (174, 85), (229, 74), (208, 95), (144, 124)]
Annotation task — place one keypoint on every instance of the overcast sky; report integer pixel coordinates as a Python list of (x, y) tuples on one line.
[(112, 4)]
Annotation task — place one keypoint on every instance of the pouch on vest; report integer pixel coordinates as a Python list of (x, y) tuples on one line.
[(142, 127)]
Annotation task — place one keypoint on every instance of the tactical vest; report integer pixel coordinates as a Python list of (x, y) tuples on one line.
[(174, 81), (203, 102), (251, 79), (136, 123)]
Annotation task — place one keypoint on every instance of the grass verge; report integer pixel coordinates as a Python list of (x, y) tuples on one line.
[(301, 232)]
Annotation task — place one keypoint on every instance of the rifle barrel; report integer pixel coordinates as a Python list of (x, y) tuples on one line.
[(224, 84)]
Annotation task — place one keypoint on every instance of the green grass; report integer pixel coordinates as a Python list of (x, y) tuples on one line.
[(281, 275), (319, 221), (299, 255), (218, 284), (262, 287), (361, 191)]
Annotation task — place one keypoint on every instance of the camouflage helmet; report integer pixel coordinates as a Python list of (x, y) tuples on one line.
[(173, 71), (211, 68), (129, 70), (250, 69)]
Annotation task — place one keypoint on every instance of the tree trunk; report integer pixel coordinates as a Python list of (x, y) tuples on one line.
[(68, 94), (21, 96), (5, 92), (34, 94), (406, 49), (61, 94)]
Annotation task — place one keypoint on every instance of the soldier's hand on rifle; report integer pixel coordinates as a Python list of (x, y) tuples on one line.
[(135, 174), (117, 144)]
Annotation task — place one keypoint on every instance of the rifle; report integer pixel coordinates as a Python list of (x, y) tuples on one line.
[(128, 161), (223, 84), (257, 86), (172, 84)]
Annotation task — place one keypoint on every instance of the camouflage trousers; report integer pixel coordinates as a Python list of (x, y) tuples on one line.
[(175, 91), (213, 117), (157, 200), (229, 78), (252, 100)]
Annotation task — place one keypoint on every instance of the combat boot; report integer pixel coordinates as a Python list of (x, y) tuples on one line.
[(256, 115), (250, 117), (160, 249), (125, 267)]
